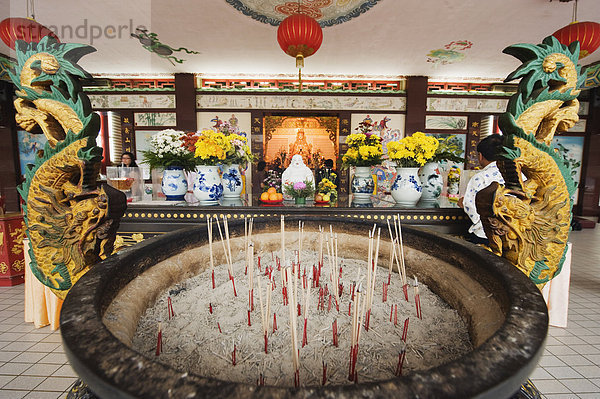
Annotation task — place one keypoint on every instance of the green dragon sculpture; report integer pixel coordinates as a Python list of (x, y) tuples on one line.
[(528, 220), (71, 221)]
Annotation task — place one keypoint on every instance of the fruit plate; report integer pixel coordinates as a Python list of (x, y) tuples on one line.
[(321, 202), (269, 202)]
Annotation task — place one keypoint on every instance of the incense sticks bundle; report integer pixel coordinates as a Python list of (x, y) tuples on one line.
[(227, 251)]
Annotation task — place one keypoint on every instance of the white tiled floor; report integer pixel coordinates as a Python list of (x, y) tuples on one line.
[(33, 364)]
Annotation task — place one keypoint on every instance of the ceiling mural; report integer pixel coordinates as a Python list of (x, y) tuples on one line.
[(326, 12), (451, 53)]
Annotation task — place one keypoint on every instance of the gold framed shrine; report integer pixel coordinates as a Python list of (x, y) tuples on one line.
[(316, 138)]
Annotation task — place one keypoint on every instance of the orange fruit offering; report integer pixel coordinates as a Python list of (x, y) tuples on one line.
[(279, 197), (272, 190), (264, 196), (273, 197)]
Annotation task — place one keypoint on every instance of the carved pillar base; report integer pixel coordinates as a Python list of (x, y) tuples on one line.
[(12, 262)]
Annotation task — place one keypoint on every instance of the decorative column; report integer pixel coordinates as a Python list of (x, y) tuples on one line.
[(344, 175), (12, 261), (256, 146), (9, 162), (416, 104), (185, 102), (127, 135), (473, 138)]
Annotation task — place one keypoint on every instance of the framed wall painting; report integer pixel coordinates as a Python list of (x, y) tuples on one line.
[(571, 149), (315, 138), (162, 119), (390, 127), (239, 121), (444, 122), (29, 145)]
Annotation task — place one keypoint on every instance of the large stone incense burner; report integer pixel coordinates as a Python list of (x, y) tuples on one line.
[(504, 311)]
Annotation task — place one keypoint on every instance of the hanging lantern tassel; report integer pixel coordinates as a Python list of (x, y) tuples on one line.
[(299, 36)]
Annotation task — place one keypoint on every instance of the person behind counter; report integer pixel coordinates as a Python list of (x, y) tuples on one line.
[(487, 149), (128, 160)]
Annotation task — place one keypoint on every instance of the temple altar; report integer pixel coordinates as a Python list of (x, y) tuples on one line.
[(158, 217)]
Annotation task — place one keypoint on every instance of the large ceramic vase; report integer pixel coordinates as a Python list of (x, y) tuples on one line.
[(231, 179), (207, 184), (431, 180), (406, 189), (174, 183), (362, 185)]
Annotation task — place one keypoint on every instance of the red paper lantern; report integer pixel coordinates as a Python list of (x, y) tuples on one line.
[(13, 29), (299, 36), (587, 33)]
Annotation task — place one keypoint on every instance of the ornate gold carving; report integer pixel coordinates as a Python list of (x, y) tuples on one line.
[(18, 265), (71, 221), (3, 268), (528, 222), (17, 235)]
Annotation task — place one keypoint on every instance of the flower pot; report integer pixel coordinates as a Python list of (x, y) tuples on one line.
[(406, 189), (174, 184), (300, 200), (431, 180), (231, 179), (362, 185), (207, 184)]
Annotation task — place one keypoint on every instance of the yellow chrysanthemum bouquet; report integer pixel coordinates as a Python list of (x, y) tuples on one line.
[(364, 148), (412, 151), (211, 147)]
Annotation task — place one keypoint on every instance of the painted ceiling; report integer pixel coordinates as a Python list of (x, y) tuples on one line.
[(446, 40)]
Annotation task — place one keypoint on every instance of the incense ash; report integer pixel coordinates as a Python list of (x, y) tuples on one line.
[(227, 332)]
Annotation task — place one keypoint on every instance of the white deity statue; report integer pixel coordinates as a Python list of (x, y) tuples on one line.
[(296, 172)]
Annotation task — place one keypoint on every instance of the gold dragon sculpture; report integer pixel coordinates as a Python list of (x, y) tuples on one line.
[(528, 220), (71, 220)]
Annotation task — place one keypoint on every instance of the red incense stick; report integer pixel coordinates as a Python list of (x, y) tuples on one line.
[(405, 330), (274, 322), (401, 357), (249, 322), (324, 380), (213, 279), (233, 355), (304, 337), (170, 308), (335, 335), (210, 309), (266, 343), (218, 325), (159, 340)]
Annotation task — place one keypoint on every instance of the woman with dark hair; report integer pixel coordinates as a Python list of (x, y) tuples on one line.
[(128, 160)]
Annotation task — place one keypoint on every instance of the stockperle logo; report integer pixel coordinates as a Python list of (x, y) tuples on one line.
[(90, 32)]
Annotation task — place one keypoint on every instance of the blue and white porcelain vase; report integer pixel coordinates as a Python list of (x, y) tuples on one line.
[(207, 185), (174, 183), (407, 189), (431, 180), (362, 185), (231, 179)]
